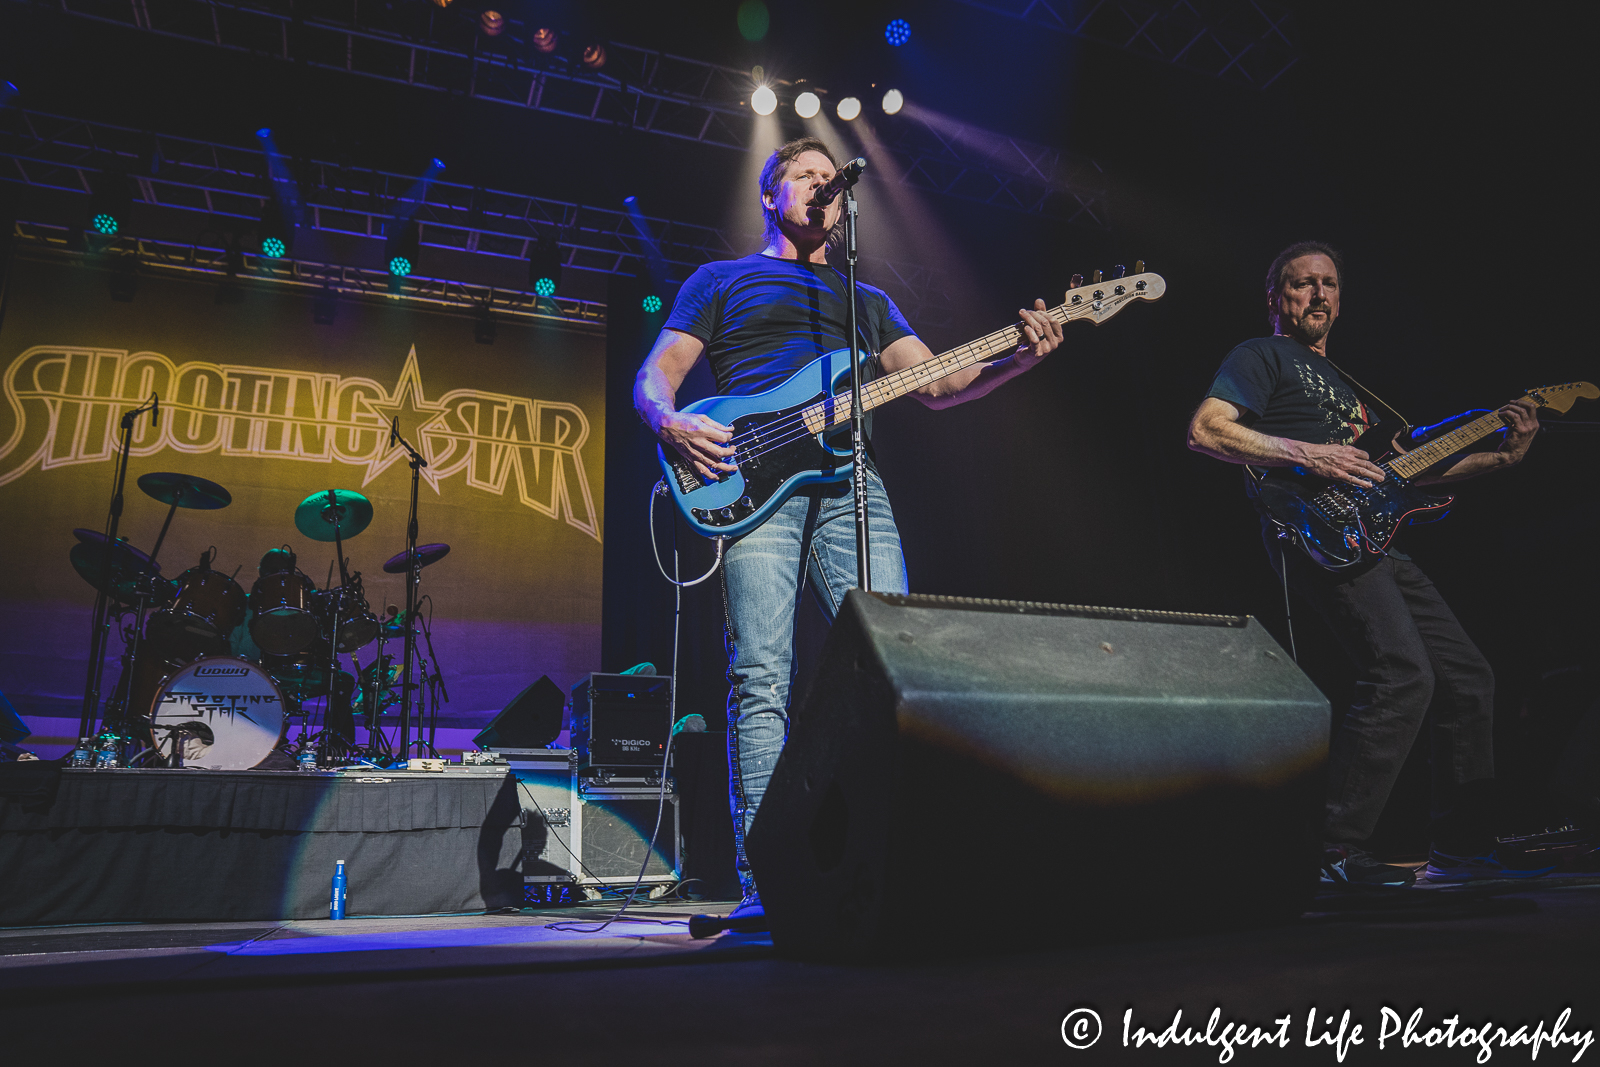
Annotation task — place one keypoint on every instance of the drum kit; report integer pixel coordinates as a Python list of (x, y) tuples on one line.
[(213, 677)]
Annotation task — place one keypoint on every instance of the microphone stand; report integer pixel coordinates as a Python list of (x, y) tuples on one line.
[(413, 579), (858, 426), (101, 622)]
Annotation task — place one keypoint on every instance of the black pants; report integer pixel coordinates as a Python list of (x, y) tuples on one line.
[(1411, 654)]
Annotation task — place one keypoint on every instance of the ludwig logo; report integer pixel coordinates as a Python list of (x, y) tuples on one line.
[(216, 672)]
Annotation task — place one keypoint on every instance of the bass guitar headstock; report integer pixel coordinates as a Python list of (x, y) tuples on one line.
[(1103, 297), (1560, 398)]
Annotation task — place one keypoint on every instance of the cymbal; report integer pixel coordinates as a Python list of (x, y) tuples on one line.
[(316, 515), (185, 490), (426, 554), (129, 567)]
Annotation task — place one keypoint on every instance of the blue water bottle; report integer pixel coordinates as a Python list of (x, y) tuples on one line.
[(336, 902)]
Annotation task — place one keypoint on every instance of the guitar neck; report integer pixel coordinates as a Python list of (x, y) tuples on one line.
[(1422, 457), (999, 343)]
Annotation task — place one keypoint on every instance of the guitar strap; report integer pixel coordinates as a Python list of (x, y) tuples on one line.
[(1347, 376)]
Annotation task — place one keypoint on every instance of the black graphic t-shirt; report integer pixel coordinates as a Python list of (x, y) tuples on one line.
[(1289, 391), (763, 318)]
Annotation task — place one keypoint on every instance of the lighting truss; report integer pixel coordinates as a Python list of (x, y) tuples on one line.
[(639, 88), (232, 183), (1237, 40), (176, 257)]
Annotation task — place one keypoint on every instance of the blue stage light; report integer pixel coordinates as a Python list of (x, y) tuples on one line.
[(104, 222), (273, 248), (264, 132), (545, 286), (897, 33), (400, 266), (652, 303)]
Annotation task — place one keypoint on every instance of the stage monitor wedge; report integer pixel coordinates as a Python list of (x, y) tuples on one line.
[(531, 720), (1036, 774)]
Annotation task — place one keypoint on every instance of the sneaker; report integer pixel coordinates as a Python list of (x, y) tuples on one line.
[(1444, 867), (748, 918), (1346, 865)]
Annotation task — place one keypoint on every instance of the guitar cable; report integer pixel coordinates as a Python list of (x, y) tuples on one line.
[(661, 490), (1288, 617)]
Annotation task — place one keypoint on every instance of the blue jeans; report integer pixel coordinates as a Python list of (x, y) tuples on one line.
[(810, 541)]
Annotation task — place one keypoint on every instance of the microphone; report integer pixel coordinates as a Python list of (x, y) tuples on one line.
[(847, 176), (394, 430), (155, 410)]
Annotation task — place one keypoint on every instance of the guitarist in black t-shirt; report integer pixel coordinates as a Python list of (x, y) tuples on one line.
[(1277, 402)]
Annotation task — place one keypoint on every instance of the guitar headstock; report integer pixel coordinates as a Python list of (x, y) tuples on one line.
[(1103, 297), (1560, 398)]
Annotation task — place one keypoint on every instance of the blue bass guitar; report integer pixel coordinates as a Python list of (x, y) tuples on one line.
[(798, 434)]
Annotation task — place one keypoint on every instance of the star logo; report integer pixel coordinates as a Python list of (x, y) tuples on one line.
[(410, 405)]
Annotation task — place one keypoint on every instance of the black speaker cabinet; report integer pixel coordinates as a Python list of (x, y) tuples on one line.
[(531, 720), (973, 774)]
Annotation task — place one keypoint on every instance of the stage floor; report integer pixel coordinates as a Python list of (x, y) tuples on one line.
[(376, 989)]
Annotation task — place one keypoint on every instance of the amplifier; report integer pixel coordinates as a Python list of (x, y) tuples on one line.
[(578, 832), (620, 723)]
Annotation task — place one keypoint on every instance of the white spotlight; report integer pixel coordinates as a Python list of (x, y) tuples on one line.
[(763, 101), (893, 101), (806, 105), (849, 108)]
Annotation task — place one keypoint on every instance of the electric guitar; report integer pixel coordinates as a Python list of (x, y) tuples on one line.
[(784, 438), (1339, 524)]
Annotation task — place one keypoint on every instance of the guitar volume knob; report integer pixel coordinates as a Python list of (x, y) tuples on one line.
[(747, 504)]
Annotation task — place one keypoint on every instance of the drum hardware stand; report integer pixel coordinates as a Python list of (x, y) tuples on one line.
[(101, 626), (435, 683), (413, 580)]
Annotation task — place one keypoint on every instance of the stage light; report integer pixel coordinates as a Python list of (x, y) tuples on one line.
[(437, 164), (545, 40), (651, 304), (594, 56), (849, 108), (400, 251), (630, 200), (806, 105), (897, 33), (893, 101), (273, 233), (264, 132), (442, 3), (8, 92), (763, 101), (544, 267), (110, 203), (483, 325), (325, 306), (493, 23)]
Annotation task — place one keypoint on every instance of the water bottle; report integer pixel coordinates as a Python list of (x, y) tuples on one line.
[(83, 755), (106, 758), (307, 761), (336, 901)]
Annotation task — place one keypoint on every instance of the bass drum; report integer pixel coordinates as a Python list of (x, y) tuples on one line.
[(220, 712)]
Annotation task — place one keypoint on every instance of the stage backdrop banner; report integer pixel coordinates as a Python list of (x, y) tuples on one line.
[(274, 407)]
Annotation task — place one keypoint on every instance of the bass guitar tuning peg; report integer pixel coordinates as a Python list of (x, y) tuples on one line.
[(1138, 266), (1099, 276), (1119, 271), (1077, 280)]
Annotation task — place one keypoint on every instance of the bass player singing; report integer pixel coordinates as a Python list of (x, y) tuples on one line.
[(759, 320), (1277, 402)]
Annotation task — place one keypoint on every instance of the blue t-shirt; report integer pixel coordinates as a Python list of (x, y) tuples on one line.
[(763, 318)]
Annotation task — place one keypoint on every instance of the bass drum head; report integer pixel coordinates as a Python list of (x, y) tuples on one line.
[(220, 713)]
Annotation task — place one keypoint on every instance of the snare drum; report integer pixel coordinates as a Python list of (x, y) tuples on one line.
[(220, 712), (286, 619)]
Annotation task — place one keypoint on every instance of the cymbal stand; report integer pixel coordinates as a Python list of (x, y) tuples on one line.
[(337, 604), (100, 629), (435, 681), (413, 579)]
